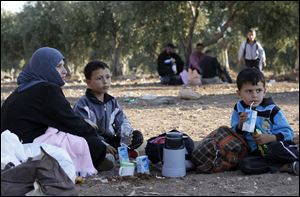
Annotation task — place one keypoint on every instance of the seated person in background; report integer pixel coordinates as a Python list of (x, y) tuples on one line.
[(170, 66), (210, 69), (196, 57), (194, 77), (104, 112)]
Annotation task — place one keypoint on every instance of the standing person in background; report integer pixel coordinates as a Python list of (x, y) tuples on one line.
[(251, 52), (170, 66)]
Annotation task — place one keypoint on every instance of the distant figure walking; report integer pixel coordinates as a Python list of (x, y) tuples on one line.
[(251, 52)]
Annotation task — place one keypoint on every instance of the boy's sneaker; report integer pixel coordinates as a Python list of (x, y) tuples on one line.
[(292, 168), (133, 154), (105, 165), (110, 157), (295, 167)]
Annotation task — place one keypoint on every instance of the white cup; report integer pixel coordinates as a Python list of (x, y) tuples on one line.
[(126, 169), (249, 124)]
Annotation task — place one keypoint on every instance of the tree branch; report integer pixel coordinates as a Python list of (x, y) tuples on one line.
[(214, 38)]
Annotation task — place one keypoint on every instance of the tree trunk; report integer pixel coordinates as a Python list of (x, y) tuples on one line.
[(297, 58), (225, 58), (115, 56), (116, 67), (115, 64), (189, 39), (186, 40), (125, 66), (214, 38)]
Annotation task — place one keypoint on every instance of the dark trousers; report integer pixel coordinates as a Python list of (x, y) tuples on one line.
[(252, 63), (171, 80), (97, 149), (137, 140), (278, 154)]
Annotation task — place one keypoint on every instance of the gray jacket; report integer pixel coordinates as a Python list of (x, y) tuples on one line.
[(107, 115)]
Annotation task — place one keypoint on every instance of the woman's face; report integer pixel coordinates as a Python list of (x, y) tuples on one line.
[(61, 70)]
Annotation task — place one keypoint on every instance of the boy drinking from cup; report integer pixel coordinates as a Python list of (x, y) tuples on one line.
[(270, 122)]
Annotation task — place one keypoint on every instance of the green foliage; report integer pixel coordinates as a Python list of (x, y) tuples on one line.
[(129, 35), (11, 44)]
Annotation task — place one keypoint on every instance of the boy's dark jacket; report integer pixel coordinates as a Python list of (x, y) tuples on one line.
[(107, 115)]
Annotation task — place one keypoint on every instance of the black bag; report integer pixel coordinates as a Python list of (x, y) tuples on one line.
[(224, 75), (155, 145)]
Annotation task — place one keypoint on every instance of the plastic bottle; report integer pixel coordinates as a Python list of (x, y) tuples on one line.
[(174, 68), (263, 148), (126, 131)]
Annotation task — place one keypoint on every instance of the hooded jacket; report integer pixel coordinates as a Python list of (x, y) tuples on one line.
[(107, 115), (270, 120)]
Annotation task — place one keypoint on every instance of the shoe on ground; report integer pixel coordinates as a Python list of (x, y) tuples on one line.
[(110, 157), (105, 165), (294, 168)]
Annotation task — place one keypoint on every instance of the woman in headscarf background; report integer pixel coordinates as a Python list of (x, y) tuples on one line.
[(39, 104)]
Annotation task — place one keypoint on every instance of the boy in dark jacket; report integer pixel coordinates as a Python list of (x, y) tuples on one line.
[(170, 66), (103, 111)]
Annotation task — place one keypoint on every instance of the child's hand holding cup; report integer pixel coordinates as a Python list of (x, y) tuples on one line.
[(249, 124)]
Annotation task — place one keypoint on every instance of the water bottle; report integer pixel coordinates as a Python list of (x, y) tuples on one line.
[(174, 68), (126, 131)]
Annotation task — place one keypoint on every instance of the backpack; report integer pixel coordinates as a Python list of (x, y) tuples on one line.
[(155, 145), (221, 150)]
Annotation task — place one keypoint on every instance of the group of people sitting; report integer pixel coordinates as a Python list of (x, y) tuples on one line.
[(203, 68), (38, 106)]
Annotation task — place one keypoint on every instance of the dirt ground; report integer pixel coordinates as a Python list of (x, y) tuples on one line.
[(197, 118)]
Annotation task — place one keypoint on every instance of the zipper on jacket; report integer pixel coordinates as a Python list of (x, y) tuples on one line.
[(105, 117)]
